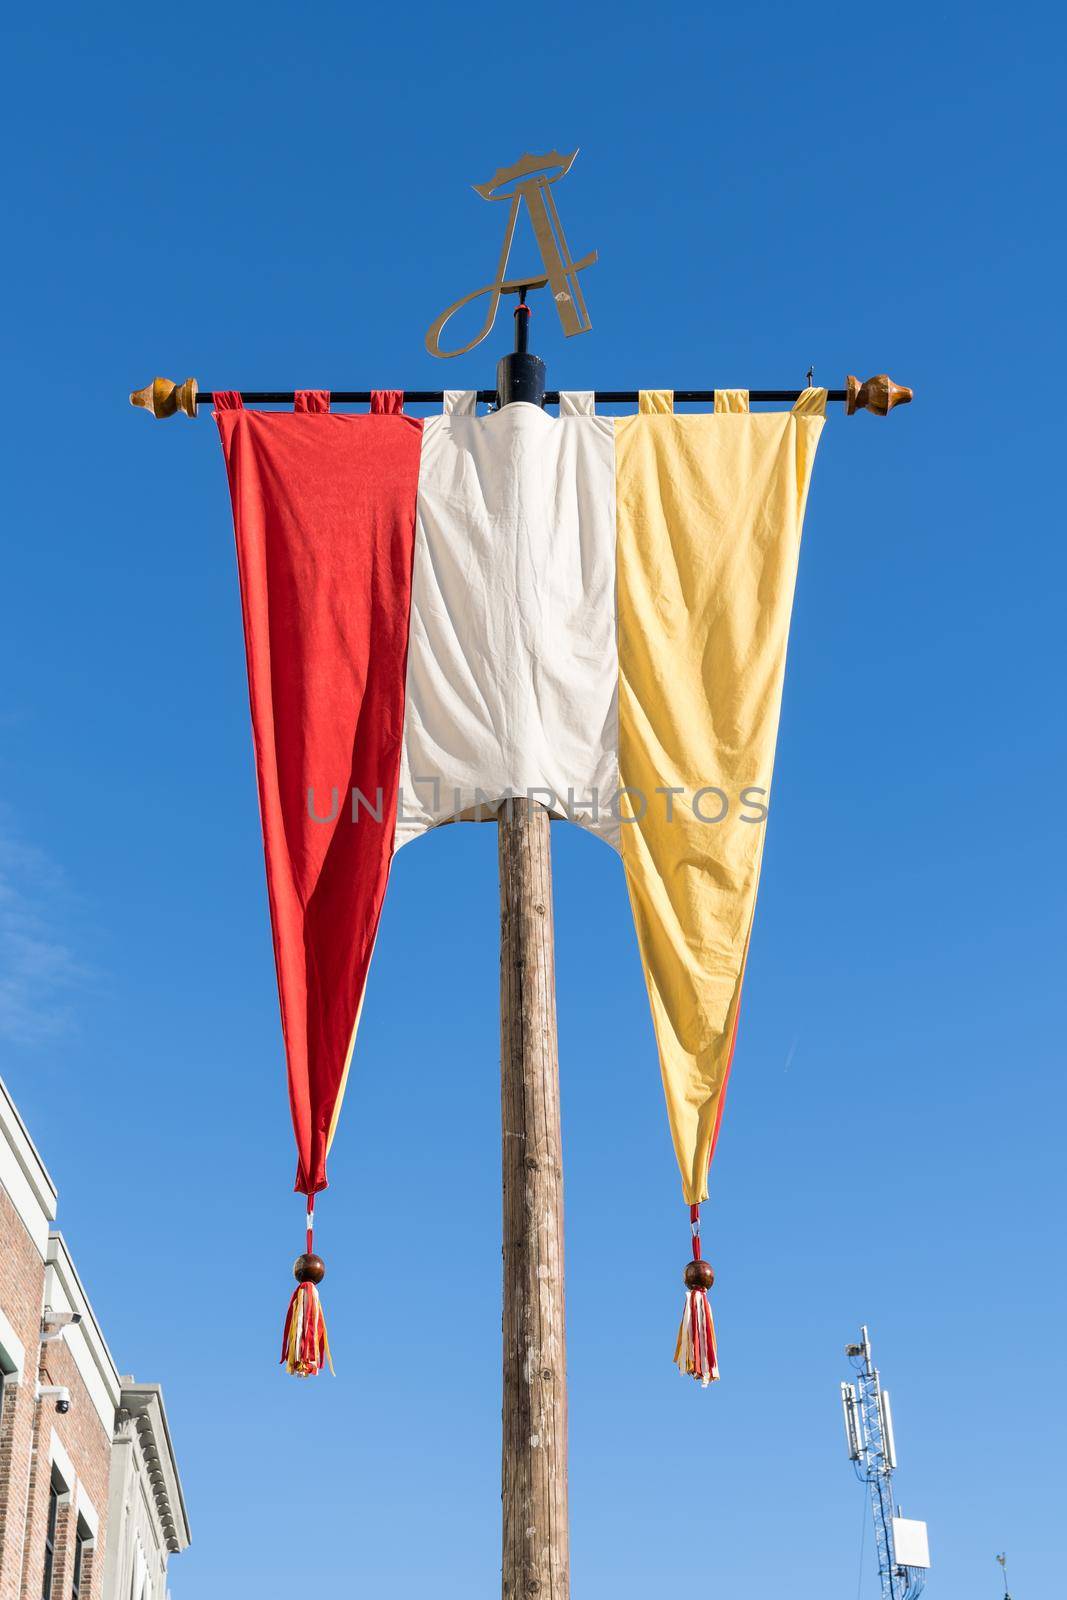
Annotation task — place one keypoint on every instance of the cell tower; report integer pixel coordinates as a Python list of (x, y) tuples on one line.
[(902, 1546), (1003, 1563)]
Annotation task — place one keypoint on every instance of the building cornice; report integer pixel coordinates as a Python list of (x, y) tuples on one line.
[(142, 1404), (86, 1343)]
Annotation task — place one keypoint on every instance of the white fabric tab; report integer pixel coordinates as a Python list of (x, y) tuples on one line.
[(460, 402), (513, 664), (577, 402)]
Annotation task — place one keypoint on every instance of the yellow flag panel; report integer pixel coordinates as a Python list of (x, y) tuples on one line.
[(709, 517)]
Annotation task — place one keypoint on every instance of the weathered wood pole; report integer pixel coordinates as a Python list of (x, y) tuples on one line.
[(536, 1547)]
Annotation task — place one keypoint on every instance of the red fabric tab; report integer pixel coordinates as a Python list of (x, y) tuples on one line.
[(325, 525), (386, 402), (227, 400), (316, 400)]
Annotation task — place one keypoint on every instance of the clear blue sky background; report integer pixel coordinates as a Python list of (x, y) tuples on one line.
[(277, 195)]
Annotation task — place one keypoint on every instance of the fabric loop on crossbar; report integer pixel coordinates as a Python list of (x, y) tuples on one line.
[(731, 400), (655, 402), (810, 403), (460, 402), (386, 402), (311, 400), (577, 403)]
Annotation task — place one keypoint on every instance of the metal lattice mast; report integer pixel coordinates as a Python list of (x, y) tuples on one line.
[(871, 1448), (1002, 1562)]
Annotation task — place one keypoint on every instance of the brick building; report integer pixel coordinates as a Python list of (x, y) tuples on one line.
[(91, 1504)]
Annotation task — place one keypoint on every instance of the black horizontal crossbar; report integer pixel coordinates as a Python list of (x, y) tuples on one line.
[(355, 397)]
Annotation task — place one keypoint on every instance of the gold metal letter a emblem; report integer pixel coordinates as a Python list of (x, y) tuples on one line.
[(533, 178)]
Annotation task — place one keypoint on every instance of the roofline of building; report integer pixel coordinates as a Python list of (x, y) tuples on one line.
[(26, 1154)]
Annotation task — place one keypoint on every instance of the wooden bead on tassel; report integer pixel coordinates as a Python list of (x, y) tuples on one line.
[(699, 1275), (309, 1269)]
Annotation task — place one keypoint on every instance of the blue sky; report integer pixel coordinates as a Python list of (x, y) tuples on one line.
[(280, 196)]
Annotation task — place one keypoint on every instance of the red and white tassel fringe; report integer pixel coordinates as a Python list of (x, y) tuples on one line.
[(305, 1347), (694, 1352)]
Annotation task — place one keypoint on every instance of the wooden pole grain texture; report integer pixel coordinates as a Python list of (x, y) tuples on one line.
[(536, 1548)]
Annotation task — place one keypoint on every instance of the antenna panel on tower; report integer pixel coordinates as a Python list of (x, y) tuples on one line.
[(911, 1547), (887, 1427)]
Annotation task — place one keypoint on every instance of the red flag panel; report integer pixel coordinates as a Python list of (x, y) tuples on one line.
[(324, 516)]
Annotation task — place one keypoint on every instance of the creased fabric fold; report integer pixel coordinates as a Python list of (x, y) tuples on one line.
[(513, 668)]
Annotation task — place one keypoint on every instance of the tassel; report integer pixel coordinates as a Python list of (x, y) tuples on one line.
[(305, 1346), (694, 1351)]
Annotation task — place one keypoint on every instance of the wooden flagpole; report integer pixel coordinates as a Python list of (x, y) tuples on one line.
[(536, 1543), (536, 1554)]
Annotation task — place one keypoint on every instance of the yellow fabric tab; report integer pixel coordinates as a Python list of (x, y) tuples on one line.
[(709, 521), (810, 403), (655, 402), (735, 400)]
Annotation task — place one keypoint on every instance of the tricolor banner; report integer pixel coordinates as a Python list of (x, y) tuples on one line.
[(441, 613)]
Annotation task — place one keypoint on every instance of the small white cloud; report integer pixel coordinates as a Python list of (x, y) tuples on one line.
[(39, 971)]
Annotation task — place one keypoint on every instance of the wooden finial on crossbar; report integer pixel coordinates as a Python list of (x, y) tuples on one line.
[(878, 394), (163, 398)]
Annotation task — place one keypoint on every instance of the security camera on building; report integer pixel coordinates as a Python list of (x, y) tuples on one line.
[(56, 1392)]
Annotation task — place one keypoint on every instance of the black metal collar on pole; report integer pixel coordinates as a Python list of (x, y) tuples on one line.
[(521, 376)]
